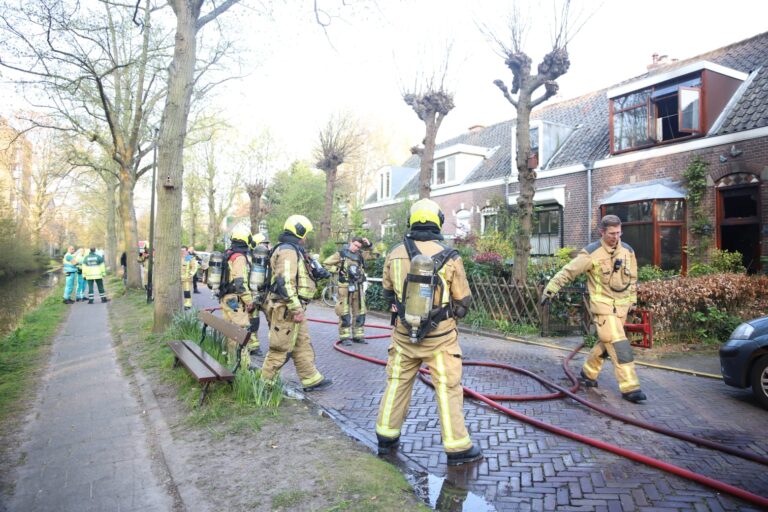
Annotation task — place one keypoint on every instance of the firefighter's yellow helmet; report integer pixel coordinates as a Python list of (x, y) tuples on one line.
[(258, 238), (241, 233), (299, 225), (426, 210)]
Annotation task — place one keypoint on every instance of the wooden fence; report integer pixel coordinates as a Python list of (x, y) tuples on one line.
[(501, 299)]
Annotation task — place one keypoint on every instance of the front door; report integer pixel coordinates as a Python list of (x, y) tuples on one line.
[(739, 223)]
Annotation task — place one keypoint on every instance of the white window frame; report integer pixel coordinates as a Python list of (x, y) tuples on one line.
[(449, 172), (384, 185), (485, 214), (463, 222)]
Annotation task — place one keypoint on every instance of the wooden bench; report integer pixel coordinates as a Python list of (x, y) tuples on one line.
[(201, 365)]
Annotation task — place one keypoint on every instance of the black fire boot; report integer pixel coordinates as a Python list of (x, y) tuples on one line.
[(360, 340), (586, 381), (346, 342), (255, 352), (634, 396), (470, 455), (387, 445), (320, 385)]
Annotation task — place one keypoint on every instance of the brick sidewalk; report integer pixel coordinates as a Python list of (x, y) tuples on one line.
[(530, 469)]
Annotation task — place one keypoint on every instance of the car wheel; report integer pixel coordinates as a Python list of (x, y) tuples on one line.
[(760, 380)]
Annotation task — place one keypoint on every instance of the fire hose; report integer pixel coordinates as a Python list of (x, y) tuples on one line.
[(561, 392)]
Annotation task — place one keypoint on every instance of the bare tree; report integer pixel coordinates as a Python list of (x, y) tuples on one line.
[(99, 78), (432, 101), (521, 95), (339, 141), (261, 159)]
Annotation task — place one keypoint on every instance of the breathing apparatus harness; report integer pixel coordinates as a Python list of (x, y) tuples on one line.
[(226, 287), (353, 272), (316, 270), (416, 311)]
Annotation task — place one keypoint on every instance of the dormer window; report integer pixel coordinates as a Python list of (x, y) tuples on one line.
[(670, 107), (385, 184), (445, 171)]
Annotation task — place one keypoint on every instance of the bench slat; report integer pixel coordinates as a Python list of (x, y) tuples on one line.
[(207, 360), (190, 361), (226, 328)]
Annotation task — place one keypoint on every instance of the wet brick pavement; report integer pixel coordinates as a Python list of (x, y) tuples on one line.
[(526, 468)]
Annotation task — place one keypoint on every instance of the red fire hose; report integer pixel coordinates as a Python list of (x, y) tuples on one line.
[(562, 392)]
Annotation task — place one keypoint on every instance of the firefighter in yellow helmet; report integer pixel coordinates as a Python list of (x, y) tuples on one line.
[(611, 269), (258, 282), (234, 292), (188, 271), (349, 263), (425, 283), (292, 287)]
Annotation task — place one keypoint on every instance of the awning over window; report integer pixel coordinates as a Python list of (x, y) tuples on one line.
[(644, 193)]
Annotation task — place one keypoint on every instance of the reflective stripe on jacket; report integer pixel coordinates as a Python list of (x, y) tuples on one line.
[(611, 276), (93, 266)]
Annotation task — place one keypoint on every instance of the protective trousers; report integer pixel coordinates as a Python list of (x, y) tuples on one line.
[(613, 342), (288, 339), (99, 284), (444, 362), (70, 284), (238, 316), (186, 285), (351, 312), (81, 284)]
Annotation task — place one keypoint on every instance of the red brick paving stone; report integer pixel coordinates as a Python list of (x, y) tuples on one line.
[(527, 458)]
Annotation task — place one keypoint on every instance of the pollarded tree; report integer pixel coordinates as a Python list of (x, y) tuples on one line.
[(521, 95), (261, 159), (430, 98), (340, 140)]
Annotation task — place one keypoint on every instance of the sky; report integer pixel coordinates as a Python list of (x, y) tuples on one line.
[(367, 57)]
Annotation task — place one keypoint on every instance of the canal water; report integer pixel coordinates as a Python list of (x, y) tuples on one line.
[(22, 294)]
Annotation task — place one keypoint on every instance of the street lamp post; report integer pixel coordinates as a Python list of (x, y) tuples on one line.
[(152, 224)]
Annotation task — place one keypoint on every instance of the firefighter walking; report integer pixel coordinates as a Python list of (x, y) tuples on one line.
[(349, 264), (258, 283), (425, 283), (292, 287), (611, 269), (235, 296)]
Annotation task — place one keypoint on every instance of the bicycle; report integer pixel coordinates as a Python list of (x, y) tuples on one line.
[(331, 291)]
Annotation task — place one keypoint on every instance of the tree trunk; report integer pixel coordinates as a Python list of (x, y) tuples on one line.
[(427, 158), (130, 232), (255, 191), (167, 269), (211, 216), (112, 257), (527, 180), (325, 223)]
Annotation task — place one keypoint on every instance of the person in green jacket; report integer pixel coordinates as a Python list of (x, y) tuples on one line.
[(94, 270)]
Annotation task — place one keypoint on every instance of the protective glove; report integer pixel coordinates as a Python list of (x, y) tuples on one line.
[(546, 298)]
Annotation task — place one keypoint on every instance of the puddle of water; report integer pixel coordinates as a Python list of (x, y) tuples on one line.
[(451, 493)]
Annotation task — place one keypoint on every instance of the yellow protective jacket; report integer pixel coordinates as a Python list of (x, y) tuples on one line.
[(455, 286), (188, 267), (338, 262), (238, 278), (291, 283), (611, 277)]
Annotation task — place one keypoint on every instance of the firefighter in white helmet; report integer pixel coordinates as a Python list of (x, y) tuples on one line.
[(425, 282)]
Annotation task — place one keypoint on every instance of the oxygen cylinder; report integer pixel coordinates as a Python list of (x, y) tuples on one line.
[(215, 265), (258, 276), (418, 295)]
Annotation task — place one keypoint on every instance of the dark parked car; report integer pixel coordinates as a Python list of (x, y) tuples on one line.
[(744, 358)]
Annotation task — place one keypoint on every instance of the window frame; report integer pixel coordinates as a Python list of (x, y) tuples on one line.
[(650, 104), (385, 175), (548, 208), (657, 224)]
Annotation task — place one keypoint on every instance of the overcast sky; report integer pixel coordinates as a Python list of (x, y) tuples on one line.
[(367, 58)]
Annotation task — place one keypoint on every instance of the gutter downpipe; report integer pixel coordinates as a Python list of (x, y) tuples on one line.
[(588, 165)]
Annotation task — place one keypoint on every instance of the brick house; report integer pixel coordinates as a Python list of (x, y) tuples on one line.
[(620, 150)]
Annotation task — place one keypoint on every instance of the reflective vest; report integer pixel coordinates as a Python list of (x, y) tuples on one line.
[(69, 262), (93, 267)]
